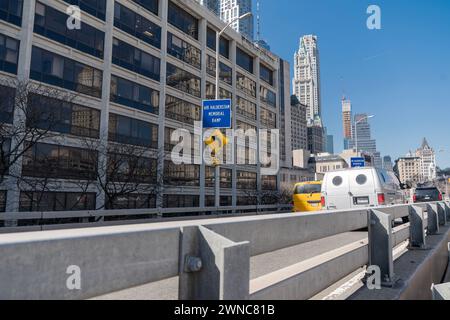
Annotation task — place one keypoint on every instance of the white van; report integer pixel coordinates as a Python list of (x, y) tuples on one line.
[(360, 188)]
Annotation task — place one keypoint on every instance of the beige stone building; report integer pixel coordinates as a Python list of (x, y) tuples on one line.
[(409, 169)]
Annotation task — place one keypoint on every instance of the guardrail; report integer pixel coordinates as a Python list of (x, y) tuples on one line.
[(211, 258), (51, 220)]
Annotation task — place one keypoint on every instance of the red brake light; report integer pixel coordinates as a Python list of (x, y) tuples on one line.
[(381, 199), (440, 196), (322, 201), (414, 198)]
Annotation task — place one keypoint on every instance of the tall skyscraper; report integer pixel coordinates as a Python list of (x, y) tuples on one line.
[(306, 81), (347, 118), (427, 161), (212, 5), (330, 144), (362, 138), (231, 9)]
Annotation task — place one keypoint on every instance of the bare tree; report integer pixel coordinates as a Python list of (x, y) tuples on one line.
[(26, 121), (127, 171)]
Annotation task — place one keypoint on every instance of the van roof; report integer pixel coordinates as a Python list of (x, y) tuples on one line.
[(352, 169)]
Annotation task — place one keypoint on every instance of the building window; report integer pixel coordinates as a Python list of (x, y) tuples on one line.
[(96, 8), (2, 201), (169, 145), (266, 74), (246, 180), (181, 175), (136, 25), (226, 72), (246, 85), (150, 5), (244, 60), (246, 108), (56, 201), (52, 24), (9, 54), (132, 131), (11, 11), (131, 169), (268, 97), (183, 80), (183, 20), (181, 201), (226, 178), (7, 97), (224, 47), (61, 116), (268, 119), (184, 51), (211, 92), (269, 183), (134, 95), (132, 202), (225, 201), (57, 70), (183, 111), (60, 162), (136, 60), (5, 154), (211, 36)]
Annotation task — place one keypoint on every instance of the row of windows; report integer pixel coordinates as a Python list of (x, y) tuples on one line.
[(211, 92), (56, 115), (63, 72), (131, 169), (52, 24), (136, 25), (225, 74), (226, 177), (136, 60), (97, 8), (150, 5), (225, 201), (183, 20), (183, 80), (132, 131), (56, 201), (56, 161), (11, 11), (181, 175), (181, 110), (9, 54), (132, 201), (134, 95), (246, 180), (246, 108), (184, 51)]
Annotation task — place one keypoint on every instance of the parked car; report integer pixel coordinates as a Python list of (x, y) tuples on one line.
[(427, 194), (360, 188), (306, 196)]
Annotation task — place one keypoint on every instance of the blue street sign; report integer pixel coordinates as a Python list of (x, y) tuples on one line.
[(217, 114), (358, 162)]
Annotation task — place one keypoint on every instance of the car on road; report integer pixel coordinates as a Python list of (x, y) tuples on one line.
[(427, 194), (360, 188), (306, 196)]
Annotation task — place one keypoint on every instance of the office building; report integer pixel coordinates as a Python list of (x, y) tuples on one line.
[(138, 70), (330, 144), (408, 169), (315, 136), (299, 126), (387, 163), (232, 9), (427, 161), (306, 82), (212, 5), (362, 138)]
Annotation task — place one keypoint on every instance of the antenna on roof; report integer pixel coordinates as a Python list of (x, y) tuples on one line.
[(258, 19)]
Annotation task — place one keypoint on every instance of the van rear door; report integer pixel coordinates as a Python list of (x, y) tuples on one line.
[(362, 188), (337, 191)]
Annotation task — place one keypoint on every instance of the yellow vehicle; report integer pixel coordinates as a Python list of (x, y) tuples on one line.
[(307, 196)]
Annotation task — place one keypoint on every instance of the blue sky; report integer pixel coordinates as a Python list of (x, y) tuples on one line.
[(400, 73)]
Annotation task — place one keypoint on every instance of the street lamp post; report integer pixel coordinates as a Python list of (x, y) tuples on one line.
[(217, 168), (356, 129)]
